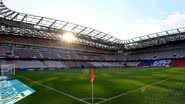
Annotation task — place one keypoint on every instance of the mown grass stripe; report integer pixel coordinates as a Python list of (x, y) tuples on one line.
[(54, 90)]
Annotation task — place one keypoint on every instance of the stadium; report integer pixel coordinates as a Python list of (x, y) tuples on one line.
[(58, 62)]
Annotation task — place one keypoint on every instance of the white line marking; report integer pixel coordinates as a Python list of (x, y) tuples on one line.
[(63, 93), (134, 90), (94, 98)]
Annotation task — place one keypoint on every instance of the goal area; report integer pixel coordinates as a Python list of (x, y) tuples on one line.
[(7, 70)]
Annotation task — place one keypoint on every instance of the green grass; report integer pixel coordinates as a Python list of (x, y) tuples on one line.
[(108, 83)]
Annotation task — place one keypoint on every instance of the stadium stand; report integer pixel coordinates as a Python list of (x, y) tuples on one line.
[(51, 57), (23, 65), (3, 51), (55, 64), (133, 64), (37, 44)]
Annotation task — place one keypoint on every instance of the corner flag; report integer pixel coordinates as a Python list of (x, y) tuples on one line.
[(92, 80), (92, 75)]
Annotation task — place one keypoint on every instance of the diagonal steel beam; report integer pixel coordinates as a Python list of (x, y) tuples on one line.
[(178, 30), (15, 16), (97, 34), (64, 25), (9, 14), (109, 38), (52, 23), (5, 12), (82, 30), (103, 36), (23, 18), (5, 8), (90, 32), (39, 20), (115, 40), (74, 27)]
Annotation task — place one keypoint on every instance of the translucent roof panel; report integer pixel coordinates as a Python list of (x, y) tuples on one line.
[(173, 31), (69, 27), (162, 34), (93, 33), (101, 35), (182, 29), (78, 29), (144, 37), (20, 17), (59, 24), (86, 31)]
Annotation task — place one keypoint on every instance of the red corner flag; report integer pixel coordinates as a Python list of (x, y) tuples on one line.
[(92, 75)]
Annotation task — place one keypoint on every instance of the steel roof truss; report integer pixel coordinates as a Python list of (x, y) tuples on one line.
[(23, 18), (64, 25), (90, 32), (52, 23), (178, 30), (9, 14), (2, 9), (39, 21), (109, 38), (82, 30), (5, 12), (103, 36), (97, 34), (74, 27)]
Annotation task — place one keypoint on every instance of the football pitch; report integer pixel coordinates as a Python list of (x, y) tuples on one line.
[(111, 86)]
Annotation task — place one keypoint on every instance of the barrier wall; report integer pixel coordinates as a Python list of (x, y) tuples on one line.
[(146, 63), (178, 63)]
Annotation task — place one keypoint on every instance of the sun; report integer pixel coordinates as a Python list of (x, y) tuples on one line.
[(69, 37)]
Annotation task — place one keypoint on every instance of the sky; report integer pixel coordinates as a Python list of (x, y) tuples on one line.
[(124, 19)]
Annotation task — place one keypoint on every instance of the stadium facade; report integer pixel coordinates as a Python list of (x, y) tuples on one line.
[(36, 42)]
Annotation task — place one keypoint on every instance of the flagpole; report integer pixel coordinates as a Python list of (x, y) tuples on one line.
[(92, 93), (92, 81)]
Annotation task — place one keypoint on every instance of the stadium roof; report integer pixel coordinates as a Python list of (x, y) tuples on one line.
[(43, 27), (84, 34)]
